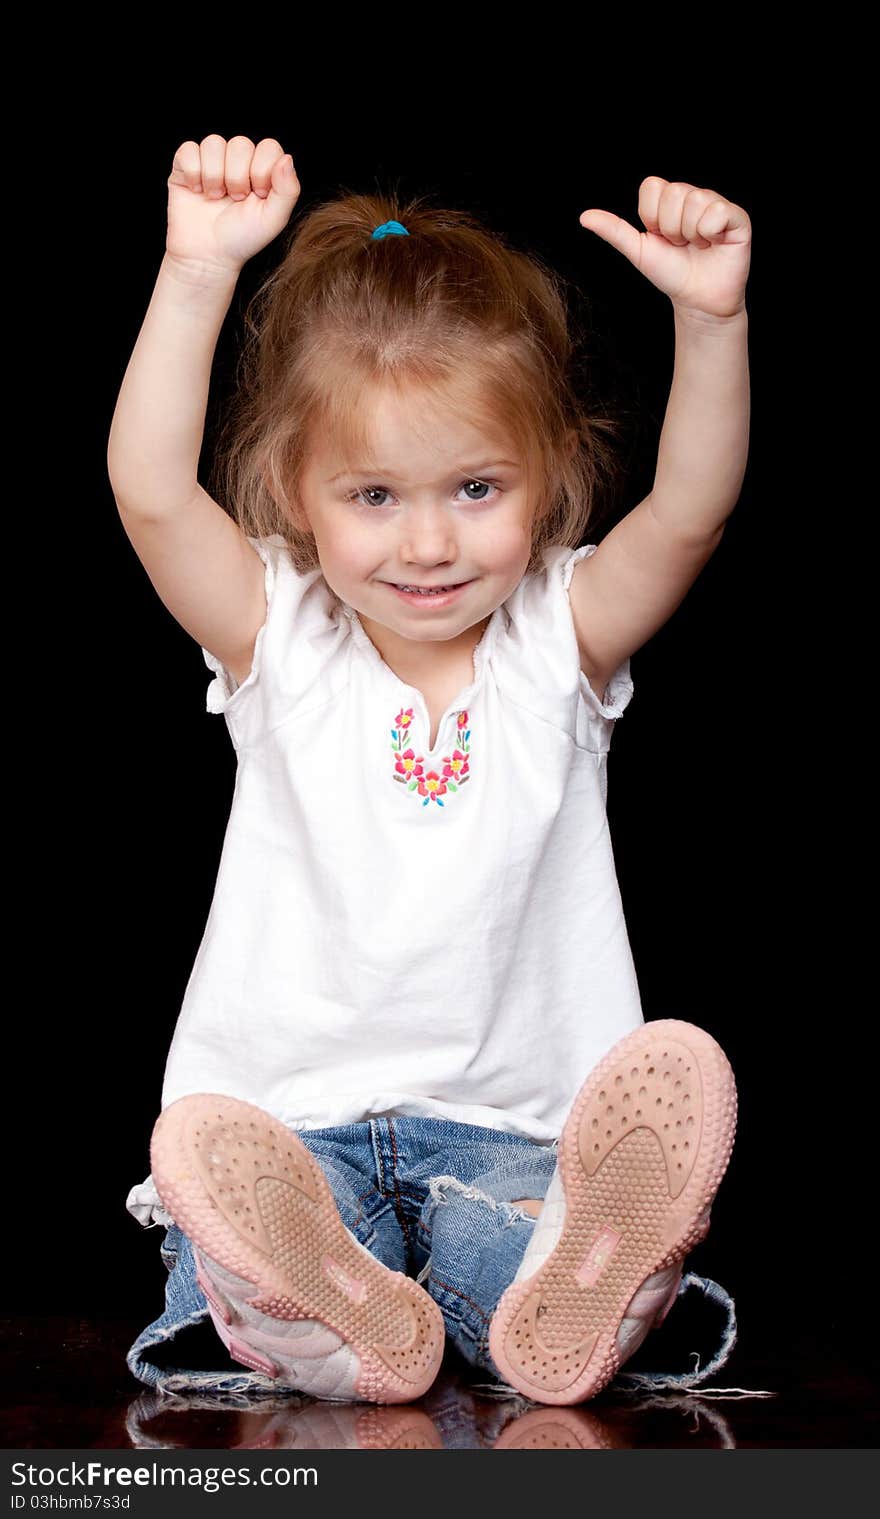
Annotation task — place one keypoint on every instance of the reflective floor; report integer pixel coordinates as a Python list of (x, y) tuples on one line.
[(66, 1386)]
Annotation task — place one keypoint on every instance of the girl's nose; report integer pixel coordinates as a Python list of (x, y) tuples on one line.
[(427, 537)]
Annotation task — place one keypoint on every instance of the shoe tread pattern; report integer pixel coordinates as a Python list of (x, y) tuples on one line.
[(641, 1156), (251, 1196)]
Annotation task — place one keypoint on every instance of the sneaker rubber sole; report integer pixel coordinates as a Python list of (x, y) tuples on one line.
[(254, 1201), (640, 1158)]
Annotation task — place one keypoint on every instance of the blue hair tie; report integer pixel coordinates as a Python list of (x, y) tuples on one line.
[(391, 229)]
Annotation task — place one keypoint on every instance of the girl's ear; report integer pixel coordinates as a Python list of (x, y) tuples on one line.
[(571, 442)]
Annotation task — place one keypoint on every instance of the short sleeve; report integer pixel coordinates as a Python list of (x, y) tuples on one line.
[(224, 685), (541, 659), (293, 651), (599, 717)]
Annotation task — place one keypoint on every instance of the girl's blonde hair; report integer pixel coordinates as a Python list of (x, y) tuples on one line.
[(451, 312)]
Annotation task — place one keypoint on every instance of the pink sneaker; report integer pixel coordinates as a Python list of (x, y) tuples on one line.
[(290, 1290), (641, 1156)]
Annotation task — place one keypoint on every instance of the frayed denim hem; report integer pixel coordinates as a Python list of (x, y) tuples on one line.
[(638, 1382), (177, 1379)]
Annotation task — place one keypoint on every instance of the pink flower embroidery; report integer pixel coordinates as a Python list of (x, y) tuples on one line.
[(409, 767), (408, 764), (457, 767), (431, 787)]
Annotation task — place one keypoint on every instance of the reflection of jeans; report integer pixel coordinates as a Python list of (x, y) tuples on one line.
[(427, 1196)]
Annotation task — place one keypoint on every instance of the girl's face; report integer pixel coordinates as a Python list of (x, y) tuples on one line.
[(446, 509)]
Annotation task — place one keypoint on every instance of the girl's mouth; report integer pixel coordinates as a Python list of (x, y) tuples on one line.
[(441, 596)]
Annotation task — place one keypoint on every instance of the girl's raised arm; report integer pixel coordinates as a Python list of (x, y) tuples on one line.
[(226, 201), (697, 250)]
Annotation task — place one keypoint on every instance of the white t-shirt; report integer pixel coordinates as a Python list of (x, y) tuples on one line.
[(398, 931)]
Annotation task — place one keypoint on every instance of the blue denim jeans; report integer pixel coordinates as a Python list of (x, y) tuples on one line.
[(430, 1197)]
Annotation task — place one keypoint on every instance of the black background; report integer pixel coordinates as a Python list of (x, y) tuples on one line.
[(728, 775)]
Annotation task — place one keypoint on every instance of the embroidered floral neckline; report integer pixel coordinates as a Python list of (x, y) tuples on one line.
[(409, 767)]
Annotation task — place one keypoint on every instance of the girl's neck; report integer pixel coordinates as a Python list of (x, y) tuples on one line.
[(418, 662)]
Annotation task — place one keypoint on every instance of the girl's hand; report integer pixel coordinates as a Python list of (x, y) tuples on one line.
[(696, 249), (227, 200)]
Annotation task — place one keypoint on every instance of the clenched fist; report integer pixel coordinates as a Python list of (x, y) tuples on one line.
[(227, 200)]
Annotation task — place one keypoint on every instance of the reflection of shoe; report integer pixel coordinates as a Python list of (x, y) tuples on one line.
[(342, 1427), (641, 1156), (557, 1429), (290, 1290), (267, 1423), (397, 1429)]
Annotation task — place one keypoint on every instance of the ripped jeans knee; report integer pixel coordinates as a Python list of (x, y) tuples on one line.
[(440, 1186), (495, 1192), (476, 1235)]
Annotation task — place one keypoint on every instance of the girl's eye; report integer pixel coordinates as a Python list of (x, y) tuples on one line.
[(366, 491)]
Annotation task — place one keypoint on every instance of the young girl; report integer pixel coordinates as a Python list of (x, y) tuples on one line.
[(411, 1092)]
